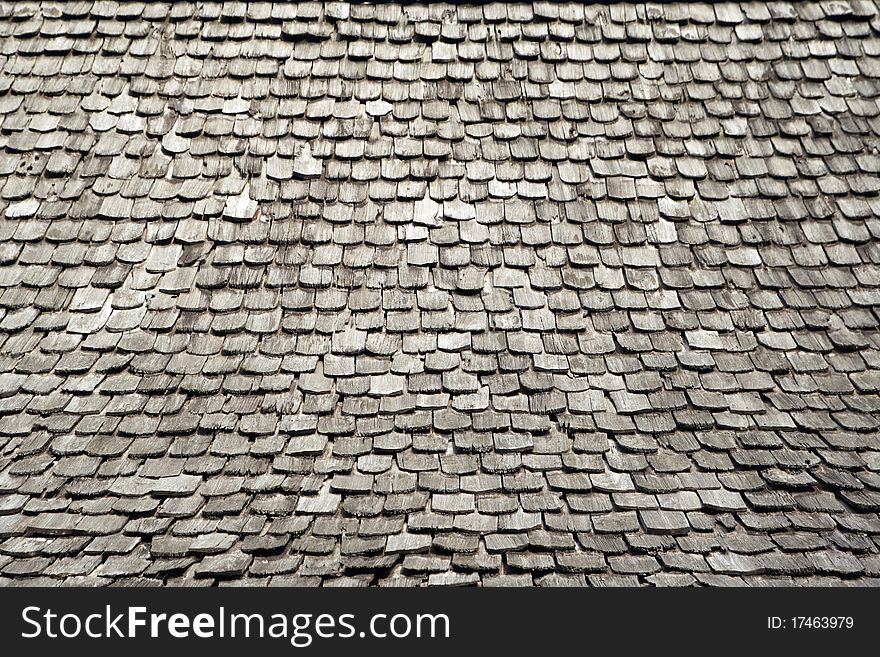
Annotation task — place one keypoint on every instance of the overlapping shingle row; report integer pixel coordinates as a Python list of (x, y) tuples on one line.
[(541, 293)]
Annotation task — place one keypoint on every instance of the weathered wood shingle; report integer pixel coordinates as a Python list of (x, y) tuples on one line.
[(506, 293)]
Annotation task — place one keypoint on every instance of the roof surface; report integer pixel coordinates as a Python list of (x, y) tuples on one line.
[(505, 294)]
